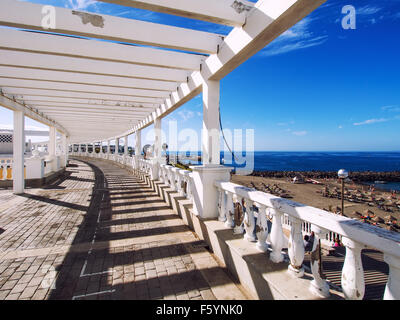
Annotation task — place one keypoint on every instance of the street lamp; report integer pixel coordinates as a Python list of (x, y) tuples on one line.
[(342, 174)]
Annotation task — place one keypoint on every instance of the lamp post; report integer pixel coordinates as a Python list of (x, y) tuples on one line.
[(342, 174)]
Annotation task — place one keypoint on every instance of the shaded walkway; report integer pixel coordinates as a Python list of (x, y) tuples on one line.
[(101, 233)]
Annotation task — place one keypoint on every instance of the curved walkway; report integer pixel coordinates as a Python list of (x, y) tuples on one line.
[(101, 233)]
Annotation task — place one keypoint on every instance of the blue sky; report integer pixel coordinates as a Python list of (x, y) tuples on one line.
[(316, 87)]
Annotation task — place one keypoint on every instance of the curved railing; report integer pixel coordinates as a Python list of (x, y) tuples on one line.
[(259, 207), (259, 215)]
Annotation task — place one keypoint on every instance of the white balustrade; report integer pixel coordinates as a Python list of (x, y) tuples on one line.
[(297, 218), (296, 248), (300, 219), (249, 223), (353, 284), (262, 229), (276, 236)]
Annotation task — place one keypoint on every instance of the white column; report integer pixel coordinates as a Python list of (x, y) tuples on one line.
[(157, 138), (108, 149), (117, 146), (138, 143), (138, 147), (52, 147), (157, 149), (64, 144), (52, 142), (126, 146), (211, 129), (205, 194), (18, 152)]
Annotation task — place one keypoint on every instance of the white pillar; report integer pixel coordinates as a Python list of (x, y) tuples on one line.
[(138, 143), (18, 152), (117, 146), (205, 194), (64, 144), (52, 147), (157, 138), (108, 149), (52, 142), (211, 129), (157, 149), (126, 145)]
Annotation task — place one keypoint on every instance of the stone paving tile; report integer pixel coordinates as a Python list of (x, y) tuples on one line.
[(95, 201)]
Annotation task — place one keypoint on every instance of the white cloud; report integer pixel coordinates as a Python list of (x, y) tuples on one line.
[(370, 121), (391, 108), (298, 37), (367, 10), (80, 4), (186, 114), (285, 123), (299, 133), (340, 127)]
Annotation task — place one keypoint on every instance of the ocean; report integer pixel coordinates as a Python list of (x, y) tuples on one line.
[(319, 161)]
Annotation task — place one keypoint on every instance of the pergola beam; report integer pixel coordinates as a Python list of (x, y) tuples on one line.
[(38, 94), (89, 79), (28, 15), (83, 65), (49, 85), (97, 50), (220, 11), (91, 105), (93, 110), (148, 103)]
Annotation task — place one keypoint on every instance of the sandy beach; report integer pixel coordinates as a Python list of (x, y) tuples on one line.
[(311, 194)]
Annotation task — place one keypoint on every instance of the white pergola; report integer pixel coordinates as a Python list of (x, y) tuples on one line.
[(97, 77)]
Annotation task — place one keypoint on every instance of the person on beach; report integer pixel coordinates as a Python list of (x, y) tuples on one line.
[(309, 242), (337, 243)]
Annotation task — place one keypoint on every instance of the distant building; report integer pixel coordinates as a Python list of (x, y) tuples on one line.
[(6, 143)]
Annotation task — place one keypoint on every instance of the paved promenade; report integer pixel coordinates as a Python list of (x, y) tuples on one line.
[(100, 233)]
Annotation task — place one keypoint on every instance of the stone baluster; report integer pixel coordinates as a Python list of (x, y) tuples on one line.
[(249, 223), (173, 180), (276, 236), (230, 212), (238, 214), (221, 205), (319, 286), (262, 229), (161, 173), (392, 290), (178, 173), (189, 186), (353, 284), (296, 248)]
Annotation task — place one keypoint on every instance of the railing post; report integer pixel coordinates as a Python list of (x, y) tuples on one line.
[(221, 205), (318, 286), (353, 284), (262, 229), (249, 223), (392, 290), (172, 179), (276, 236), (296, 248), (230, 223), (238, 229)]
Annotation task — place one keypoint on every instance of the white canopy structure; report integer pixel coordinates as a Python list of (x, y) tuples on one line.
[(96, 77)]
